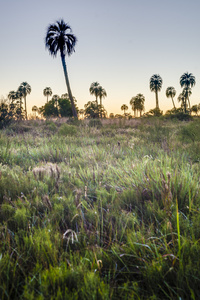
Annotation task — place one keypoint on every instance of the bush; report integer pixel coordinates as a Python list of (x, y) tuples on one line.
[(179, 116), (66, 129), (51, 126)]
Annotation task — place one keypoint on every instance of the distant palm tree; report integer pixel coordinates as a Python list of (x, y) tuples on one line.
[(81, 112), (35, 109), (19, 95), (187, 81), (102, 94), (94, 89), (60, 38), (124, 107), (47, 92), (155, 86), (137, 103), (55, 99), (12, 96), (171, 92), (181, 98), (25, 88)]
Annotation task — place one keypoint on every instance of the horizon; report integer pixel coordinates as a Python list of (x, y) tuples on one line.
[(115, 47)]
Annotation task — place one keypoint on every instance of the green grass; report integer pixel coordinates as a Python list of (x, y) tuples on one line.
[(100, 212)]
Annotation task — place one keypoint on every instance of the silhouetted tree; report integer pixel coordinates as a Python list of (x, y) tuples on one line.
[(171, 92), (137, 103), (195, 109), (187, 80), (35, 109), (65, 107), (12, 96), (94, 90), (155, 86), (19, 95), (102, 94), (181, 98), (25, 88), (94, 111), (60, 38), (47, 92), (124, 107)]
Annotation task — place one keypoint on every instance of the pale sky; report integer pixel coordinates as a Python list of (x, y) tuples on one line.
[(121, 44)]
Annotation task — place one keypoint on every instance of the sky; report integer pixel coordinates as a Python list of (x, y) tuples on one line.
[(121, 44)]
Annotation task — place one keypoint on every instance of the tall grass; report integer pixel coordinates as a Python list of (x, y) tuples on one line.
[(100, 212)]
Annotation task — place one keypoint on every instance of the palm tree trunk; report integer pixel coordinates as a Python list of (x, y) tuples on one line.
[(173, 103), (68, 85), (157, 106), (20, 106), (189, 105), (101, 106), (25, 107)]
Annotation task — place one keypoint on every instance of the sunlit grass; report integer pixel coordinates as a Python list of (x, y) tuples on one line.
[(107, 212)]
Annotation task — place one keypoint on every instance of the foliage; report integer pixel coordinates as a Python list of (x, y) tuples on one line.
[(94, 111), (57, 107), (154, 112), (8, 113), (66, 129)]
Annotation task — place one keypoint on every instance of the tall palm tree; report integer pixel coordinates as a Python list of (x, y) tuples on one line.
[(47, 92), (102, 94), (187, 80), (60, 38), (155, 86), (25, 88), (124, 107), (94, 89), (171, 92)]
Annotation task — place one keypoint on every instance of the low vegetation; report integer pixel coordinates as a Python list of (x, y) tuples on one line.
[(105, 210)]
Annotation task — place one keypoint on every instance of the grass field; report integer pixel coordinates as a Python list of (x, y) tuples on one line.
[(100, 211)]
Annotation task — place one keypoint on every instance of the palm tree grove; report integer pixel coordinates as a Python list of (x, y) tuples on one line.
[(98, 205)]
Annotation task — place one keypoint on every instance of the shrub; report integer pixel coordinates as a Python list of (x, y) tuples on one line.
[(66, 129)]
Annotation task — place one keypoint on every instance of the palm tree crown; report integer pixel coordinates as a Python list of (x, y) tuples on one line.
[(124, 107), (94, 89), (12, 96), (47, 92), (156, 85), (171, 92), (187, 80), (60, 38)]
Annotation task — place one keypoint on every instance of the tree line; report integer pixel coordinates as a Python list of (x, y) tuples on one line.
[(60, 39)]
